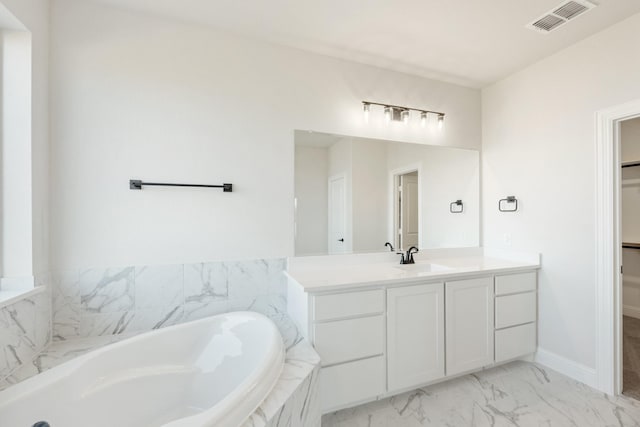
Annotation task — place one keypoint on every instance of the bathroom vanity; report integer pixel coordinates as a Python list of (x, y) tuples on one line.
[(382, 328)]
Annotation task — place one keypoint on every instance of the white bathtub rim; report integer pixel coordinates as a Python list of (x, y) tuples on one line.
[(276, 353), (235, 413)]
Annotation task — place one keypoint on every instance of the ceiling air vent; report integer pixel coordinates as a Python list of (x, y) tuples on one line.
[(560, 15), (570, 10), (548, 23)]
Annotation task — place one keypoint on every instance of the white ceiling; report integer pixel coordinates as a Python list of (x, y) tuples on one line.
[(469, 42)]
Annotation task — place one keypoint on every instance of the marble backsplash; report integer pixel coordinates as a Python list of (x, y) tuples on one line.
[(25, 330), (105, 301)]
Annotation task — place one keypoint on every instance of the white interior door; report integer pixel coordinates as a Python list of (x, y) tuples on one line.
[(337, 215), (409, 210)]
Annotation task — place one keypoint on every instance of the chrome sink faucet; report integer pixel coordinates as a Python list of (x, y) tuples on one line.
[(408, 258)]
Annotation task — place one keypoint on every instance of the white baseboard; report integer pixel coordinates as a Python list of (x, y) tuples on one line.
[(631, 311), (567, 367)]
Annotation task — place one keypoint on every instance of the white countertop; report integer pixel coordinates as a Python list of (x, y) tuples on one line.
[(324, 275)]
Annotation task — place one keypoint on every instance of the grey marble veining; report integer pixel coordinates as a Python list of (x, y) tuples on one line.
[(65, 301), (294, 400), (17, 334), (107, 291), (159, 286), (519, 394), (206, 282), (42, 303), (25, 330), (95, 302)]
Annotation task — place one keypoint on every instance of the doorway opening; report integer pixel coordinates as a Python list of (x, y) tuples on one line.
[(630, 236), (406, 216), (612, 184)]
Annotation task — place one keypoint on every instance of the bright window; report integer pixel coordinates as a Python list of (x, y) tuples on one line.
[(15, 157)]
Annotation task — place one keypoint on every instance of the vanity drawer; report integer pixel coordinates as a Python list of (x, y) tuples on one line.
[(515, 309), (514, 283), (345, 340), (336, 306), (351, 383), (515, 342)]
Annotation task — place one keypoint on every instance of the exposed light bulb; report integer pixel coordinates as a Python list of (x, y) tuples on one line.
[(423, 119), (367, 109), (405, 116), (440, 121), (387, 114)]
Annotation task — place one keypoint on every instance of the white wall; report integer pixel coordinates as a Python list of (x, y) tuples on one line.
[(136, 96), (538, 144), (311, 179), (34, 15), (630, 151), (451, 175)]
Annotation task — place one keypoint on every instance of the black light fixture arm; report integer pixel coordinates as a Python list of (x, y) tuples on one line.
[(136, 184)]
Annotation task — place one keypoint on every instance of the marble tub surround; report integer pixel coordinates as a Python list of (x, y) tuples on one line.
[(106, 301), (335, 272), (519, 394), (25, 330), (293, 402)]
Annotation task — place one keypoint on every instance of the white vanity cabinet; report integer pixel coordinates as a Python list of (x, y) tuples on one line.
[(382, 339), (348, 332), (470, 331), (515, 315), (415, 335)]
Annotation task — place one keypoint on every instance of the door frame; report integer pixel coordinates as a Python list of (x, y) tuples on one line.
[(393, 211), (343, 176), (609, 246)]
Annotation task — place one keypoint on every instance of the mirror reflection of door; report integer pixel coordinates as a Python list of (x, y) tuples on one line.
[(337, 215), (407, 210)]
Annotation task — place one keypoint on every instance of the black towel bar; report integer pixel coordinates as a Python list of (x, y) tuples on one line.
[(136, 184)]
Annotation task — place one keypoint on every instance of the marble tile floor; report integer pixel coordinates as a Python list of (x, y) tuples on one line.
[(518, 394), (631, 357)]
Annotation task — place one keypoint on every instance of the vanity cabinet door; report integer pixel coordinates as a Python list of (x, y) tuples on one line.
[(469, 317), (415, 335)]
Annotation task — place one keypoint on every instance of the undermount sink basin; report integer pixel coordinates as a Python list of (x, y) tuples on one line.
[(422, 267)]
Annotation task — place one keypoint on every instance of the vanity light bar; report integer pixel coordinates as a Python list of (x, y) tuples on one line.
[(399, 113)]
